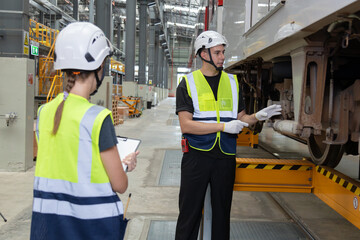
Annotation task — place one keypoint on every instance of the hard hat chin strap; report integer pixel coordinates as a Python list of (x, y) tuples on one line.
[(98, 81), (211, 61)]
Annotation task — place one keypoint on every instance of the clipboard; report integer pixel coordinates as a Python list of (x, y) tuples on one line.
[(126, 146)]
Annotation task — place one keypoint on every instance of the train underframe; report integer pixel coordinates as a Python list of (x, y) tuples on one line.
[(318, 86)]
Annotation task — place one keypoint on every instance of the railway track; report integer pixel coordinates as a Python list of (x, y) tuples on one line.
[(286, 210)]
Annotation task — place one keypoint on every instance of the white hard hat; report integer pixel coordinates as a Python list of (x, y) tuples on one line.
[(208, 39), (81, 45)]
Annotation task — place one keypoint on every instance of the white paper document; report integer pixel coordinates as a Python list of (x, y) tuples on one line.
[(126, 146)]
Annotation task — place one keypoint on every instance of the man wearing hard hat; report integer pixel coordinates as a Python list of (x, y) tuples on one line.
[(211, 112)]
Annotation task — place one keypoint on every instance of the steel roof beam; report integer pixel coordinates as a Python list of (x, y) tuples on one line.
[(55, 9)]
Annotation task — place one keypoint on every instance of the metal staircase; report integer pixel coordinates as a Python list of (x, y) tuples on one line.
[(50, 80)]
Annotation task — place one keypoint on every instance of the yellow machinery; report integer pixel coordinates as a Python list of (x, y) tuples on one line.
[(50, 81), (117, 68), (247, 138), (273, 175), (278, 175), (133, 103)]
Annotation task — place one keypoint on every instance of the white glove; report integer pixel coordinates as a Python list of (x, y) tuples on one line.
[(268, 112), (234, 126)]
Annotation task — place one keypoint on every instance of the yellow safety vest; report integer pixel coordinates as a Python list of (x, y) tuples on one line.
[(73, 198), (208, 110)]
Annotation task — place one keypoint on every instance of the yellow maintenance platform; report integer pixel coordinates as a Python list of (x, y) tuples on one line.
[(338, 191), (280, 175)]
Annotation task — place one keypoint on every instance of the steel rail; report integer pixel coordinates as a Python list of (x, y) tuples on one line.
[(291, 215)]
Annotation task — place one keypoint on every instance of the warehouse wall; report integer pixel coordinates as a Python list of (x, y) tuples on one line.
[(17, 95)]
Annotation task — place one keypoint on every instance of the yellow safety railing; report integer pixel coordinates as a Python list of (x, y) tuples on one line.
[(47, 72), (55, 88), (50, 81), (42, 34)]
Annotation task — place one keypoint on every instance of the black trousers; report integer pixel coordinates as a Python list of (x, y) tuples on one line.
[(197, 171)]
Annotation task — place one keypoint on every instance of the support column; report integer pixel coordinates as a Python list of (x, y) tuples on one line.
[(162, 74), (41, 17), (118, 40), (156, 63), (151, 65), (124, 36), (57, 24), (160, 83), (173, 80), (166, 77), (104, 16), (156, 70), (104, 21), (142, 84), (129, 85), (76, 9), (91, 11)]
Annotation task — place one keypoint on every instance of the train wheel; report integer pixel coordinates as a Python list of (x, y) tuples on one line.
[(324, 154)]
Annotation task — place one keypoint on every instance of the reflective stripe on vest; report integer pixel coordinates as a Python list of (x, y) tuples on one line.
[(85, 146), (86, 211), (207, 110), (83, 199), (37, 123)]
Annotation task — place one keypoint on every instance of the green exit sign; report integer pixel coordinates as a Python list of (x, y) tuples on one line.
[(34, 50)]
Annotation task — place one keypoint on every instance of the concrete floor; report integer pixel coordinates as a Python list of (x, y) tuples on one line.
[(150, 201)]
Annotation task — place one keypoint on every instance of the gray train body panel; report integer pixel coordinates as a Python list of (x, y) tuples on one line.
[(304, 55)]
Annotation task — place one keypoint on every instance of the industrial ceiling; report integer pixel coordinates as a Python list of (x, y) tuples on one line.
[(181, 20)]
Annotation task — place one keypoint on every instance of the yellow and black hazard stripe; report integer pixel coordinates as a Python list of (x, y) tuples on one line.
[(246, 131), (341, 181), (274, 166)]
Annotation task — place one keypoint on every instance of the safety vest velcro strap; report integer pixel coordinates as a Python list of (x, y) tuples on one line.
[(205, 119), (226, 119), (214, 119)]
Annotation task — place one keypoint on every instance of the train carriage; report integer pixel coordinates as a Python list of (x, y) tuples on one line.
[(304, 55)]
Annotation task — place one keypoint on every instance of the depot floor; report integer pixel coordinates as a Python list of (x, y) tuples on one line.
[(153, 201)]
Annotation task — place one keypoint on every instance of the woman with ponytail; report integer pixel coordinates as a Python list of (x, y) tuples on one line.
[(78, 169)]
